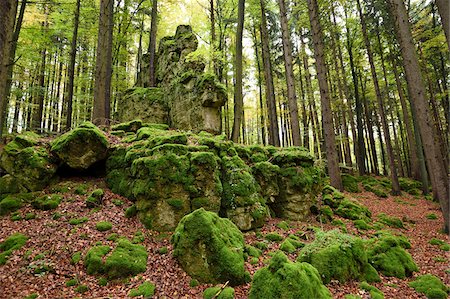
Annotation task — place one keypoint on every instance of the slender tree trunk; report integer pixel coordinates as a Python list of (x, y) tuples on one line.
[(327, 119), (290, 81), (395, 184), (444, 12), (152, 44), (417, 94), (103, 69), (305, 118), (261, 105), (238, 97), (274, 137), (71, 70), (7, 18), (371, 136)]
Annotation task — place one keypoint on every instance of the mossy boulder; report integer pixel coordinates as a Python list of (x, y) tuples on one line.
[(352, 210), (95, 199), (350, 183), (267, 175), (431, 286), (146, 290), (225, 293), (47, 202), (209, 248), (339, 256), (410, 186), (10, 204), (127, 259), (10, 244), (10, 185), (285, 279), (81, 147), (29, 162), (388, 255)]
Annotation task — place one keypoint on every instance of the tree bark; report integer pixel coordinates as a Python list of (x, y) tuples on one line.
[(290, 81), (327, 119), (444, 12), (274, 136), (238, 97), (417, 94), (71, 70), (152, 44), (103, 68)]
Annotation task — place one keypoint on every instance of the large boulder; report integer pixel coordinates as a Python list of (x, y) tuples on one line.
[(210, 248), (28, 161), (285, 279), (81, 147)]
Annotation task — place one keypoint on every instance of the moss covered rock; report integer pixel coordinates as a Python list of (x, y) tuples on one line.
[(339, 256), (47, 202), (28, 161), (127, 259), (210, 248), (431, 286), (350, 183), (10, 244), (10, 185), (285, 279), (10, 204), (219, 293), (146, 290), (81, 147)]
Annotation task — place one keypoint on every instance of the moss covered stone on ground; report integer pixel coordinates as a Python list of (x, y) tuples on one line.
[(10, 204), (103, 226), (95, 199), (210, 248), (374, 292), (353, 210), (47, 202), (285, 279), (431, 286), (11, 244), (219, 293), (338, 256), (390, 220), (350, 183), (146, 290)]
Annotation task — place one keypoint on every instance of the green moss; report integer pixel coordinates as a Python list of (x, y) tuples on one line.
[(219, 293), (176, 203), (103, 226), (138, 237), (112, 237), (9, 245), (436, 242), (445, 247), (82, 289), (361, 224), (16, 216), (131, 126), (338, 256), (325, 214), (210, 248), (131, 212), (287, 246), (352, 296), (77, 221), (10, 204), (350, 183), (284, 279), (409, 185), (76, 257), (273, 237), (30, 216), (102, 281), (81, 189), (71, 282), (32, 296), (163, 250), (283, 225), (352, 210), (252, 251), (432, 216), (373, 291), (118, 202), (390, 221), (292, 157), (261, 245), (95, 199), (146, 290), (194, 283), (431, 286), (47, 202), (388, 255)]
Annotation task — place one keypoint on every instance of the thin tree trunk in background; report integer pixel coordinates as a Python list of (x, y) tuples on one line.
[(39, 108), (152, 44), (71, 70), (417, 94), (444, 12), (17, 105), (387, 138), (369, 126), (238, 97), (103, 68), (305, 118), (7, 18), (290, 81), (327, 119), (261, 105), (274, 136)]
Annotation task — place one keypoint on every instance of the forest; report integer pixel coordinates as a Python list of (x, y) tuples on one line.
[(224, 149)]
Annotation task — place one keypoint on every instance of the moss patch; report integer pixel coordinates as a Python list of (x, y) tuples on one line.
[(350, 183), (219, 293), (103, 226), (10, 204), (373, 291), (11, 244), (47, 202), (146, 290), (285, 279), (431, 286)]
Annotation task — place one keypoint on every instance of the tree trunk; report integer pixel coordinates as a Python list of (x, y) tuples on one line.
[(327, 118), (7, 18), (71, 70), (290, 81), (417, 94), (387, 138), (261, 106), (103, 68), (274, 136), (238, 97), (152, 44), (444, 12)]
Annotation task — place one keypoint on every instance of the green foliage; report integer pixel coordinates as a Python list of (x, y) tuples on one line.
[(163, 250), (193, 283), (432, 216), (32, 296), (373, 291), (82, 289), (431, 286), (102, 281), (9, 245), (112, 237), (30, 216), (338, 256), (361, 224), (146, 290), (284, 279), (352, 210), (283, 225), (252, 251), (47, 202), (103, 226), (81, 189), (226, 293), (261, 245), (71, 282), (287, 246)]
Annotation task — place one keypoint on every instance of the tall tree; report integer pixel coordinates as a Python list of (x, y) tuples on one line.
[(417, 93), (327, 118), (71, 70), (8, 10), (288, 66), (238, 96), (387, 137), (152, 44), (444, 12), (103, 68)]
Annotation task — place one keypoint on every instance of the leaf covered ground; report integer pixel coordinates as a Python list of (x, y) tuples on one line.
[(53, 254)]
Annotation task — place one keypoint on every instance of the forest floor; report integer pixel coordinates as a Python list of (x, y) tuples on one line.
[(52, 242)]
